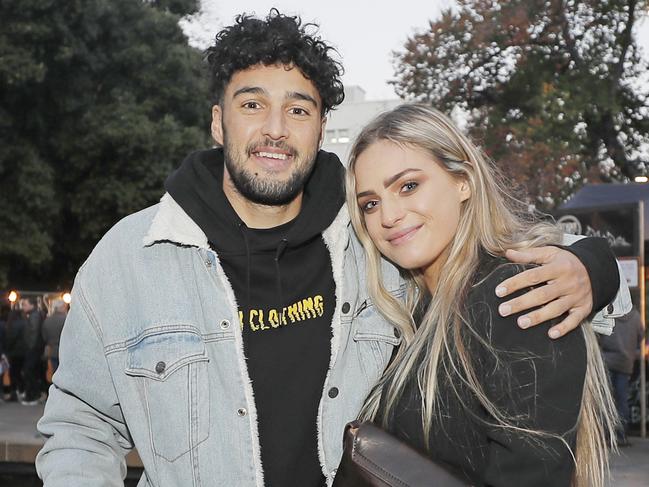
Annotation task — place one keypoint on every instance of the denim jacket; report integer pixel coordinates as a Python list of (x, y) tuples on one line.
[(151, 356)]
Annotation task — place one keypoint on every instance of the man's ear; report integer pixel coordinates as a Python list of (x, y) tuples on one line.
[(323, 124), (217, 124)]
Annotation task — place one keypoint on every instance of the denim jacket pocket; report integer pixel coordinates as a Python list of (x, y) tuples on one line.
[(172, 373)]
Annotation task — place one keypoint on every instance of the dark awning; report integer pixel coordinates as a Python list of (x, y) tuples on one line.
[(592, 195)]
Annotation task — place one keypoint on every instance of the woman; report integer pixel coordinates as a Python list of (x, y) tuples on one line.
[(502, 405)]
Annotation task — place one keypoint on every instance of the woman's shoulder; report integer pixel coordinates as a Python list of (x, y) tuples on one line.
[(490, 273), (503, 332), (494, 269)]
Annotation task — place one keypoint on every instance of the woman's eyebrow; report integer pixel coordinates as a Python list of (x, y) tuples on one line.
[(387, 182)]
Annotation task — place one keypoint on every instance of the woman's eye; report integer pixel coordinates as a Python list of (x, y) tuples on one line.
[(409, 186), (368, 206)]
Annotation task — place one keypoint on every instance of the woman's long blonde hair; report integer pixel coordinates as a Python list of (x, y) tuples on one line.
[(491, 221)]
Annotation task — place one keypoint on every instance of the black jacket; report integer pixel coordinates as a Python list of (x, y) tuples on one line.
[(535, 382)]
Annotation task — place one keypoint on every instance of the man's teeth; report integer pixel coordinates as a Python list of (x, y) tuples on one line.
[(272, 155)]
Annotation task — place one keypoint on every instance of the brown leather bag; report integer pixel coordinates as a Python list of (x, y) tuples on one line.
[(373, 457)]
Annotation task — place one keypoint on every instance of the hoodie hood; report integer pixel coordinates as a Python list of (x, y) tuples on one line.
[(197, 186)]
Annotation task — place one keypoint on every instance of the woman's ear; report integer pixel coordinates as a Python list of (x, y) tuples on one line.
[(464, 190)]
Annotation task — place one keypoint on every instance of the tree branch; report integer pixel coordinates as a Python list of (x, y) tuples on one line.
[(625, 40), (571, 45)]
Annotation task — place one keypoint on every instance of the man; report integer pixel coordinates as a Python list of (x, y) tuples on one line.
[(226, 332), (32, 370), (52, 328)]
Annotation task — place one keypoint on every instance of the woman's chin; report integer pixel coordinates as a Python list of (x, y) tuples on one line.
[(408, 264)]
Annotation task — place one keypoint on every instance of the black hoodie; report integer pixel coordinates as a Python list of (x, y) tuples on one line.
[(283, 283)]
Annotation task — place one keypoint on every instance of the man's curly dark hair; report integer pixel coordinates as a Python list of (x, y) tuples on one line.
[(277, 39)]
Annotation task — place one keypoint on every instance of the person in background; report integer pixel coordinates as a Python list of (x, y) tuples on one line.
[(52, 328), (3, 322), (4, 361), (32, 369), (15, 351), (500, 405), (620, 350)]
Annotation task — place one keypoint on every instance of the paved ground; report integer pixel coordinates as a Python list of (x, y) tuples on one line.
[(630, 468), (19, 442), (18, 423)]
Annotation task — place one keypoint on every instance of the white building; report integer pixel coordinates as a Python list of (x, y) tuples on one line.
[(345, 122)]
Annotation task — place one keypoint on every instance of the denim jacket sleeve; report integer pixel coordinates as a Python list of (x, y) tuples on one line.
[(86, 436), (611, 298)]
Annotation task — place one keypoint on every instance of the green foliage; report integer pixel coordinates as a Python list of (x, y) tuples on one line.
[(551, 87), (27, 202), (178, 7), (99, 100)]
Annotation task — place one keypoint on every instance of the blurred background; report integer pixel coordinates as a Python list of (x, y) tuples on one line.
[(101, 99)]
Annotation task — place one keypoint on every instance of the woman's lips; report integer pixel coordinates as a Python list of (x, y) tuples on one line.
[(404, 235)]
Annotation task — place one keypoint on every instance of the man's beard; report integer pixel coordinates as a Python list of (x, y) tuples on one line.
[(254, 187)]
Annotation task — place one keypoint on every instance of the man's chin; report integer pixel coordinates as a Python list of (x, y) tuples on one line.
[(267, 196), (277, 200), (266, 185)]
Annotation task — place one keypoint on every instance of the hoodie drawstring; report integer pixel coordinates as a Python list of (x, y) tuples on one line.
[(278, 255), (242, 229)]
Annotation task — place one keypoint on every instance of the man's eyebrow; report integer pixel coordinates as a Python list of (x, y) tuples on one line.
[(298, 95), (250, 90), (387, 182)]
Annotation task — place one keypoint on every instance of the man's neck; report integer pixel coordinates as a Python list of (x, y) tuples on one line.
[(255, 215)]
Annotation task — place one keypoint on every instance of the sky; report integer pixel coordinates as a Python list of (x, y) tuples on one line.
[(364, 32)]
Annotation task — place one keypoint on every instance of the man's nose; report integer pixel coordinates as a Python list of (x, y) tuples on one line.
[(275, 126)]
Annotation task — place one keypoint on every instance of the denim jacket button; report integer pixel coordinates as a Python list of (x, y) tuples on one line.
[(160, 367), (333, 392), (609, 309), (208, 262), (241, 412), (346, 308), (225, 324)]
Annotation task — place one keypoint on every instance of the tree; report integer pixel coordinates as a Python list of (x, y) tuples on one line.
[(550, 86), (99, 100)]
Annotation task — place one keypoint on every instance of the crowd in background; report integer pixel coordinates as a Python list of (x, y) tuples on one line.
[(29, 348)]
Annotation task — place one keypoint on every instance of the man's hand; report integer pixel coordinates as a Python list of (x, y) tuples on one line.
[(567, 289)]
